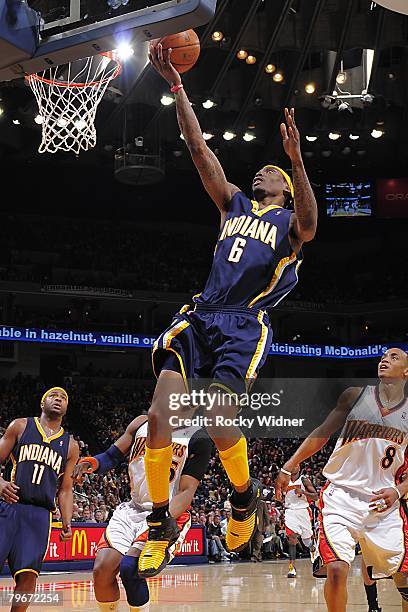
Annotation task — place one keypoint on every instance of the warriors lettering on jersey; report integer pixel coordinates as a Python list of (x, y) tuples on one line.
[(139, 446), (371, 451), (137, 475), (360, 430), (40, 454)]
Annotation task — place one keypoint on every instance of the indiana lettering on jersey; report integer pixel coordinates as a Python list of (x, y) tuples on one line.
[(138, 449), (358, 430), (248, 226), (40, 454)]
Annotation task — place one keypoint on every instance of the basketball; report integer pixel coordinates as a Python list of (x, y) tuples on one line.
[(185, 49)]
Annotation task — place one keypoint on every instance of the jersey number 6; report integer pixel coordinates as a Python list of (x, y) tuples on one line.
[(236, 250)]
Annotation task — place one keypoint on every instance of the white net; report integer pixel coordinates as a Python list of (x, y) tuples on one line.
[(68, 99)]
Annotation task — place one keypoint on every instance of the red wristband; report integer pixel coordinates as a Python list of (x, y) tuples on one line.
[(92, 461), (176, 88)]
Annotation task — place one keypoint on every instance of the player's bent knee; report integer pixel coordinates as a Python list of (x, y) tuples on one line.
[(103, 570), (337, 572), (137, 591)]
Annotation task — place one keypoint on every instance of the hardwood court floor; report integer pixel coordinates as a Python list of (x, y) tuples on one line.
[(246, 587)]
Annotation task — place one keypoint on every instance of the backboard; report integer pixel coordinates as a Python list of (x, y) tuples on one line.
[(44, 33)]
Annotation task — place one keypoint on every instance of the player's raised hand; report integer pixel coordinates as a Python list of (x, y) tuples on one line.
[(9, 491), (162, 63), (291, 136), (281, 485)]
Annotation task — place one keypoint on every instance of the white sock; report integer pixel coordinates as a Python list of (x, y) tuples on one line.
[(108, 606), (144, 608)]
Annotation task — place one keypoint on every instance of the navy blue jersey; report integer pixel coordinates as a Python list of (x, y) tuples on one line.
[(38, 463), (254, 264)]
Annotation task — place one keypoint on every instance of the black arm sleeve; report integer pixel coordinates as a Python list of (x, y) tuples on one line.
[(199, 453)]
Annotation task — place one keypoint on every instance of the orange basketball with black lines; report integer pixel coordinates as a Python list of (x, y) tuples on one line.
[(185, 48)]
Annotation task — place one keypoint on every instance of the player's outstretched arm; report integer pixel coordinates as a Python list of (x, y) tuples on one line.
[(112, 457), (318, 438), (9, 490), (65, 493), (304, 220), (206, 162)]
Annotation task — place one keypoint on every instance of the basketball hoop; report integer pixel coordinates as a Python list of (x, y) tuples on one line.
[(68, 97)]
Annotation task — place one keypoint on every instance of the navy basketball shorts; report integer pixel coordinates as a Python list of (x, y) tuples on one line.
[(227, 345), (24, 536)]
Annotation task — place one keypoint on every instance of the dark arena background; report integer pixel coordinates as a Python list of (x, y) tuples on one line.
[(99, 250)]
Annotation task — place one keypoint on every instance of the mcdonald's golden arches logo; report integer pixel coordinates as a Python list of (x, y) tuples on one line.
[(80, 542)]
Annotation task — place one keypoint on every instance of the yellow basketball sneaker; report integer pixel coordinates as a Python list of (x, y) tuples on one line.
[(292, 571), (243, 522), (163, 533)]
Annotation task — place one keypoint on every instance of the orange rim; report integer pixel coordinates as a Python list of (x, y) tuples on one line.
[(116, 73)]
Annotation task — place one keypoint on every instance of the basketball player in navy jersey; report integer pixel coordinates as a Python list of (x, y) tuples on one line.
[(226, 330), (43, 456)]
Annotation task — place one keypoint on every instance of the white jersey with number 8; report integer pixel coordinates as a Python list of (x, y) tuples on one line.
[(371, 452)]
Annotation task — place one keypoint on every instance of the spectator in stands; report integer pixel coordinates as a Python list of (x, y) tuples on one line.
[(214, 535), (87, 516), (98, 516)]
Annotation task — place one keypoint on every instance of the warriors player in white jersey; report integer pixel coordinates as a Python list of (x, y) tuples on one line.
[(361, 500), (298, 515), (126, 533)]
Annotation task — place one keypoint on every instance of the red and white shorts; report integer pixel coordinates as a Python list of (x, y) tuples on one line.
[(298, 521), (128, 529), (345, 520)]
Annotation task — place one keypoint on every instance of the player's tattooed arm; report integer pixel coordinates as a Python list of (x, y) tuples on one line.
[(9, 490), (319, 437), (209, 168), (207, 164), (65, 493), (304, 220)]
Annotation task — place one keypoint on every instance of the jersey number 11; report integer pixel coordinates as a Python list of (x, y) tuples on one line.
[(38, 473)]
